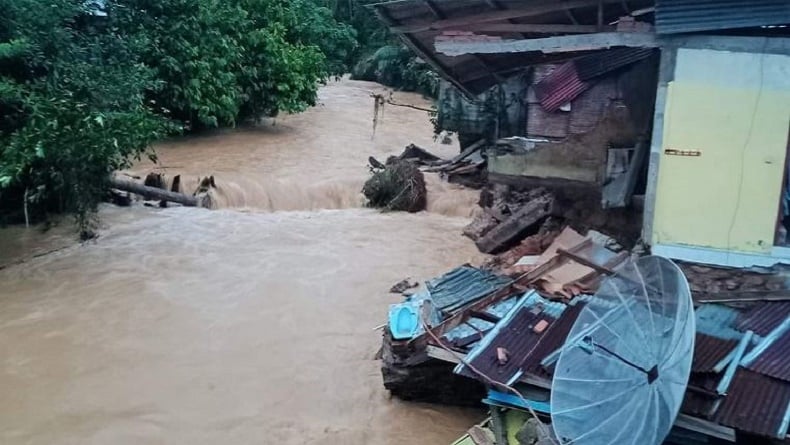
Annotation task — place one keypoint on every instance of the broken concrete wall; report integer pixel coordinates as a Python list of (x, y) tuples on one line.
[(577, 140), (578, 157)]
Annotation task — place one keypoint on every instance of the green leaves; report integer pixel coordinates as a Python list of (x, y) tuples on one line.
[(82, 94), (72, 94)]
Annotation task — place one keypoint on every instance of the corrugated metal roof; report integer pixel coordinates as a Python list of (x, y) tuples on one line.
[(514, 333), (775, 361), (517, 337), (755, 404), (413, 21), (552, 340), (560, 87), (685, 16), (598, 64), (764, 317), (697, 403), (709, 351), (462, 286)]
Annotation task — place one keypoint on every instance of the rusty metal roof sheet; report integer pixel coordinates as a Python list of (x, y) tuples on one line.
[(560, 87), (698, 403), (775, 361), (552, 340), (684, 16), (755, 404), (764, 317), (709, 351), (517, 335)]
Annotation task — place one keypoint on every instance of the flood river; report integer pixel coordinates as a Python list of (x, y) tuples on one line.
[(251, 324)]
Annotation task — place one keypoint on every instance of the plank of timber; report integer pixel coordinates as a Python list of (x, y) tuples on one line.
[(153, 193), (546, 6), (440, 353), (534, 29), (558, 44), (705, 427), (507, 231), (468, 152)]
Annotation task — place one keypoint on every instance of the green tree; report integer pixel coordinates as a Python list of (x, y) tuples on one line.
[(72, 96), (193, 48)]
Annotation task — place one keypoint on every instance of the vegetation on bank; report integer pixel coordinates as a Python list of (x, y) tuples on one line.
[(379, 56), (87, 85), (85, 88)]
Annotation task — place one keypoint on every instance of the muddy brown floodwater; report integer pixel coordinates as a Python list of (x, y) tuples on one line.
[(239, 325)]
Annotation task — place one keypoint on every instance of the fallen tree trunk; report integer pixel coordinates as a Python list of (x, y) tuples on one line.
[(154, 193)]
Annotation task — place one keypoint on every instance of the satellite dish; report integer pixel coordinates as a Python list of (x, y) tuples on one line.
[(623, 371)]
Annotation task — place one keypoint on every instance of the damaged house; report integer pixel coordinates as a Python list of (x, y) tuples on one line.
[(677, 107), (668, 120)]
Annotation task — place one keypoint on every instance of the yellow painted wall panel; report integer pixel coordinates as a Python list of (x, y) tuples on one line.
[(728, 197)]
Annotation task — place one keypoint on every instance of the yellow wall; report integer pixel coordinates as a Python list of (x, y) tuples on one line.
[(733, 108)]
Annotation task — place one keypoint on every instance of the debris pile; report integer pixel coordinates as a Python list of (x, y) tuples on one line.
[(399, 186), (494, 334)]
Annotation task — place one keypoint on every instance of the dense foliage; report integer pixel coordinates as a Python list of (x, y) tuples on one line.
[(396, 66), (71, 96), (86, 87), (379, 56)]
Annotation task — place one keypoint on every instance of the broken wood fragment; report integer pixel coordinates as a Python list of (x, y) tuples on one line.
[(514, 227)]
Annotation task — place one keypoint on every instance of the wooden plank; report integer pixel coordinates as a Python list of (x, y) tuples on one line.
[(548, 45), (468, 152), (534, 29), (705, 427), (545, 7), (585, 262), (506, 232), (442, 354)]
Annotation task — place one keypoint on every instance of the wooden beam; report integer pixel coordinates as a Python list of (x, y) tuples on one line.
[(548, 45), (544, 7), (534, 29), (440, 353), (705, 427)]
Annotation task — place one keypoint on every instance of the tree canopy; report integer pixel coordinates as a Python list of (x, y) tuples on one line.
[(87, 86)]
